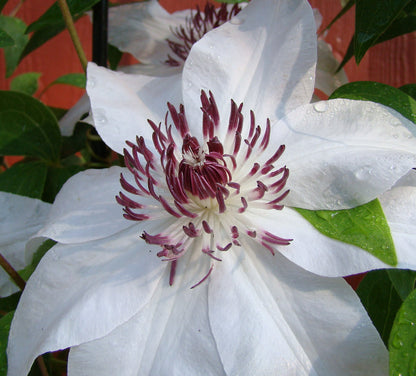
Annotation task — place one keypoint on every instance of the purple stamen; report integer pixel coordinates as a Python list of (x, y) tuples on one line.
[(196, 26), (194, 179)]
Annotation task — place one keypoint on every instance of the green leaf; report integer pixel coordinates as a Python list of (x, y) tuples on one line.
[(27, 127), (40, 37), (372, 19), (54, 16), (381, 301), (403, 24), (114, 56), (364, 226), (409, 89), (348, 54), (40, 252), (403, 281), (25, 179), (380, 93), (5, 323), (26, 83), (56, 178), (345, 8), (73, 79), (52, 23), (400, 26), (2, 4), (9, 303), (77, 141), (58, 112), (15, 28), (402, 342), (5, 39)]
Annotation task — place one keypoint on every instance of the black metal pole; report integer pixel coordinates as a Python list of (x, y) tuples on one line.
[(100, 151), (99, 33)]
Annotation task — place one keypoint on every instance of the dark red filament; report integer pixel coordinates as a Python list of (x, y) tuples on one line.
[(194, 173), (196, 26)]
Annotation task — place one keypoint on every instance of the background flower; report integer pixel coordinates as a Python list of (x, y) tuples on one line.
[(143, 29)]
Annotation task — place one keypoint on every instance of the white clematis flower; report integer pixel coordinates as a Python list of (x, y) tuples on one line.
[(161, 41), (20, 218), (206, 191)]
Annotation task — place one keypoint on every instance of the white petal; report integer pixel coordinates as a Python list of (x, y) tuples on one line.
[(81, 292), (408, 180), (318, 18), (312, 250), (142, 29), (343, 153), (399, 205), (122, 103), (74, 114), (86, 209), (150, 69), (264, 57), (20, 218), (326, 79), (169, 336), (270, 317)]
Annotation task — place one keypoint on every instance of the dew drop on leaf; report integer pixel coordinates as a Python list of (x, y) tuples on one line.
[(397, 342)]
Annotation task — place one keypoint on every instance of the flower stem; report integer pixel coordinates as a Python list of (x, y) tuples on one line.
[(73, 33), (14, 275), (42, 366), (16, 9)]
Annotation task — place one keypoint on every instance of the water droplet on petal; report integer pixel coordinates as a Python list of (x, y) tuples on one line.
[(99, 117), (363, 173), (236, 21), (91, 82), (320, 106)]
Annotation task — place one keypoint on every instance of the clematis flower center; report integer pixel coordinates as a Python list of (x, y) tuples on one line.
[(195, 27), (202, 172), (200, 193)]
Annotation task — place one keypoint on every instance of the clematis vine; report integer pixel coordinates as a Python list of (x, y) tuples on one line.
[(191, 260)]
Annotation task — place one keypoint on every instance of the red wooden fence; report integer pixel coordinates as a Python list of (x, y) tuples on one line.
[(392, 62)]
